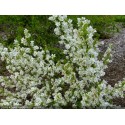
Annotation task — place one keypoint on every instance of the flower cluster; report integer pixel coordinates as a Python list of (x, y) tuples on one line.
[(36, 80)]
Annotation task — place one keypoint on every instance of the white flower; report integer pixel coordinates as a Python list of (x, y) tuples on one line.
[(57, 31), (102, 42), (16, 41), (32, 43), (67, 46), (21, 72), (27, 35), (35, 47), (38, 79), (27, 50), (23, 41), (48, 100), (65, 25), (62, 18), (62, 37), (5, 49), (57, 24)]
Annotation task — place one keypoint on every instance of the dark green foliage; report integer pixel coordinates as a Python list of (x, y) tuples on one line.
[(104, 24), (41, 28)]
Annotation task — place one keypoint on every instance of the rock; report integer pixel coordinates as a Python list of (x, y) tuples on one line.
[(116, 69)]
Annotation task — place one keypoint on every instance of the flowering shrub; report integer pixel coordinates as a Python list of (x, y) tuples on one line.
[(36, 80)]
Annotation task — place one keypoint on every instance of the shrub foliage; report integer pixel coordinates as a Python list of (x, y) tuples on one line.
[(37, 80)]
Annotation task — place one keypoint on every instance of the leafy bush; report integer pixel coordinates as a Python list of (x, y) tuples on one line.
[(42, 29), (38, 80), (105, 25)]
